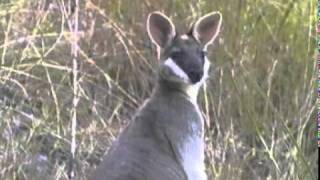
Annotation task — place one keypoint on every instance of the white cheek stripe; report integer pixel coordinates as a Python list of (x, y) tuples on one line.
[(193, 89), (206, 67), (176, 69)]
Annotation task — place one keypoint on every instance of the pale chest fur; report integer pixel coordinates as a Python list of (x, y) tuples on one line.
[(192, 151)]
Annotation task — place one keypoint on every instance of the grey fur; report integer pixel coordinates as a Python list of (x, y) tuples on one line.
[(148, 148), (165, 140)]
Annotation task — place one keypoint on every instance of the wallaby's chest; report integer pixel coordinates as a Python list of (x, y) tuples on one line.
[(176, 125), (186, 130), (192, 150)]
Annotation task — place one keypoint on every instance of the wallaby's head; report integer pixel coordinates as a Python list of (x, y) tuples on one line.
[(183, 56)]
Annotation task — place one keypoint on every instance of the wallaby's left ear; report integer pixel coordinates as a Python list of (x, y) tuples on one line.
[(206, 29)]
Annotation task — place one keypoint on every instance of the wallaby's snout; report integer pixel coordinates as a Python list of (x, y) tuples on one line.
[(195, 75)]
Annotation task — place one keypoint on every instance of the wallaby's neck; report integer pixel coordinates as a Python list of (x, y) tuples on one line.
[(190, 92)]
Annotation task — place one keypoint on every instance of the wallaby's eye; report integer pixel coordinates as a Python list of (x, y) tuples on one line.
[(175, 54)]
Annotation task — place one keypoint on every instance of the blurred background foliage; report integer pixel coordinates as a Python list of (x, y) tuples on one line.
[(259, 101)]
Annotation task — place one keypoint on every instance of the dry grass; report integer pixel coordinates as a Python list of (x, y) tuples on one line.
[(259, 101)]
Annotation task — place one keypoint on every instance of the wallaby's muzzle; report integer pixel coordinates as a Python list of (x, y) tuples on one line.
[(195, 75)]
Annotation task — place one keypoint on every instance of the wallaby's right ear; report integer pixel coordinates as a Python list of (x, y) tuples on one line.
[(160, 29)]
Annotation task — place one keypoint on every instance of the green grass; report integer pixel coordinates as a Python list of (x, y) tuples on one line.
[(259, 101)]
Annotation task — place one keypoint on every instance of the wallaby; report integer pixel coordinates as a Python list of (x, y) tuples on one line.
[(165, 140)]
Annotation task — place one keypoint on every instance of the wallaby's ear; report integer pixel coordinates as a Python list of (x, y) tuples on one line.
[(206, 29), (160, 29)]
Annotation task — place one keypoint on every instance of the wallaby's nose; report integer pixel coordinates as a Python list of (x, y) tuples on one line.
[(195, 75)]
